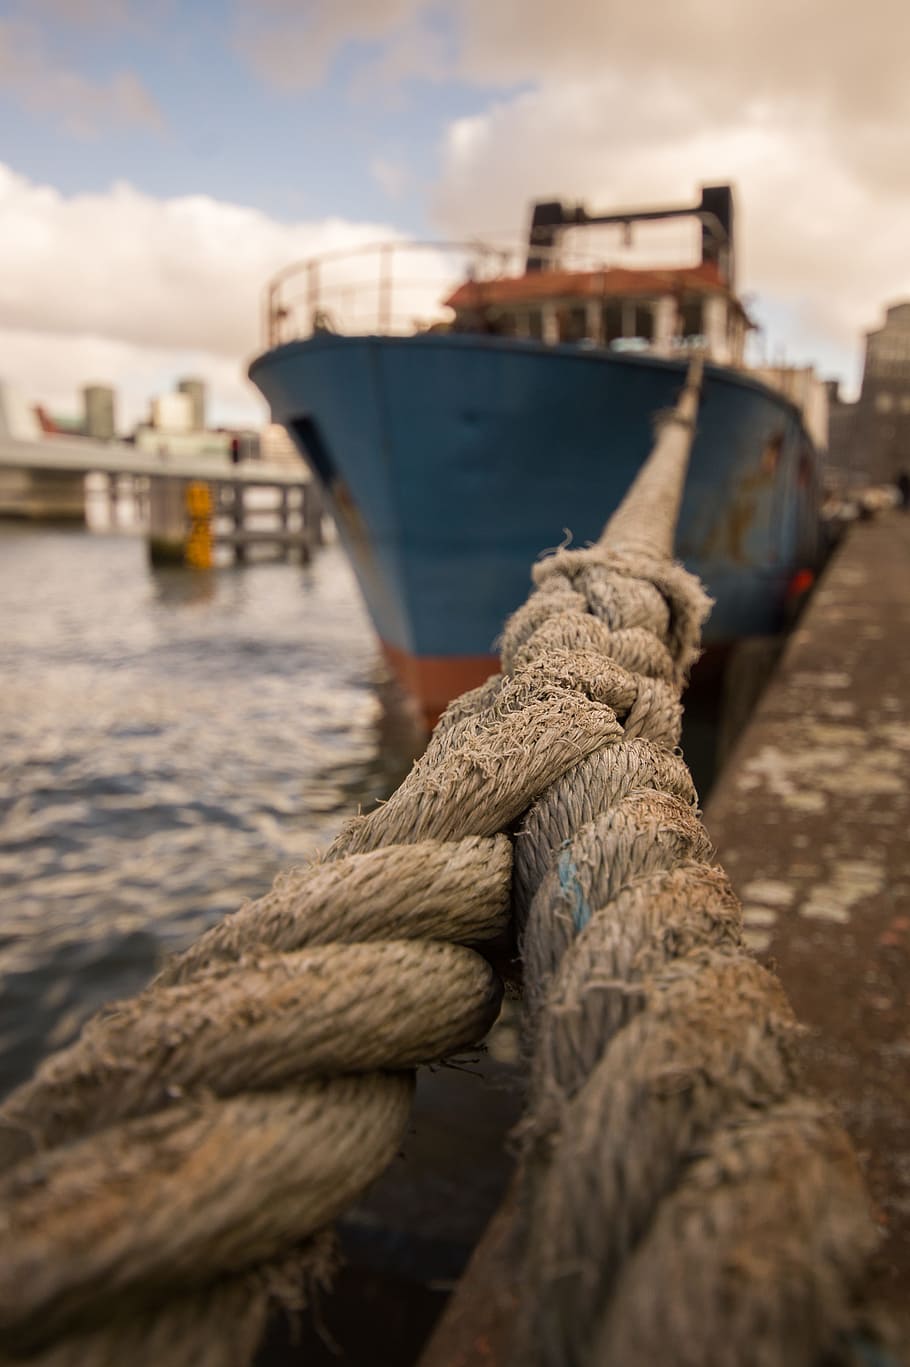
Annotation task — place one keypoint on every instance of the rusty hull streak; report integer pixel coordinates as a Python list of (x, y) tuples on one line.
[(727, 536)]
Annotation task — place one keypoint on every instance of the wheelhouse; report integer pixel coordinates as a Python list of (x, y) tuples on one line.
[(662, 312)]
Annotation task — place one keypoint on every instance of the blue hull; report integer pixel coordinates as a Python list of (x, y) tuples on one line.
[(450, 462)]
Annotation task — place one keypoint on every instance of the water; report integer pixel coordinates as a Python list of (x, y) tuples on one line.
[(169, 740)]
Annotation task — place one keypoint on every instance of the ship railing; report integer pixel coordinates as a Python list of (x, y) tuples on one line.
[(395, 287)]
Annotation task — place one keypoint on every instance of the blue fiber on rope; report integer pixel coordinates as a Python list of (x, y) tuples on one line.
[(568, 881)]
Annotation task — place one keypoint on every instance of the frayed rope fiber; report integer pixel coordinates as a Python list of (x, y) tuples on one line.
[(176, 1170)]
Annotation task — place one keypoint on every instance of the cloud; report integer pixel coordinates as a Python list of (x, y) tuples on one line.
[(806, 109), (414, 52), (294, 46), (126, 288), (848, 65), (84, 107), (849, 62), (52, 369), (813, 235)]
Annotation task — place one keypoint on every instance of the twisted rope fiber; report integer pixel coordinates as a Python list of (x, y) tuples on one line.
[(175, 1169), (683, 1204), (147, 1163)]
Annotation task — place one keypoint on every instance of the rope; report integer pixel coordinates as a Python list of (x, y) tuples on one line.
[(188, 1152), (177, 1168), (683, 1203)]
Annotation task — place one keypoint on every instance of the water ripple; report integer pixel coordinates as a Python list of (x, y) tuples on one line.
[(168, 742)]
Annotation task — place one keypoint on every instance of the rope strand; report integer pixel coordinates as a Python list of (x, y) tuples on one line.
[(176, 1169)]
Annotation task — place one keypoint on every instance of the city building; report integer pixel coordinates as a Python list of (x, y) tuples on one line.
[(845, 465), (173, 428), (881, 427), (98, 410), (172, 413), (195, 389), (18, 419)]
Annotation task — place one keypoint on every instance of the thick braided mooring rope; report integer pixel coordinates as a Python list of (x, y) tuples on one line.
[(171, 1172), (684, 1204)]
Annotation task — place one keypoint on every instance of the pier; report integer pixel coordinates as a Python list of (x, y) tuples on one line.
[(810, 818), (245, 507), (190, 519)]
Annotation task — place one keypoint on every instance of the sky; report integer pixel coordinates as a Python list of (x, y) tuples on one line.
[(159, 160)]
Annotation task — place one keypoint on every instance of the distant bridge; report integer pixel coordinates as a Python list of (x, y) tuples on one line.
[(190, 503), (82, 456), (43, 479)]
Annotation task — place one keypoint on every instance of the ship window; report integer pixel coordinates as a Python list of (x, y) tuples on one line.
[(691, 317), (643, 322), (535, 324), (573, 324), (613, 321)]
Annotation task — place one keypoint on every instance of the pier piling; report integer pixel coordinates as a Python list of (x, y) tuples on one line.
[(185, 528), (167, 526)]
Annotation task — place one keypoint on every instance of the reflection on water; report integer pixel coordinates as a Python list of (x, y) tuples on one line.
[(168, 742)]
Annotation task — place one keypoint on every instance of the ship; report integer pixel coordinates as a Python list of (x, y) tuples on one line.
[(466, 409)]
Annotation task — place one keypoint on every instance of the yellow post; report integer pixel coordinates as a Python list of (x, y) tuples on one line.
[(198, 550)]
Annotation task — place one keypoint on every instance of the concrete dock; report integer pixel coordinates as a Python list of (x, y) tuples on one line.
[(811, 818)]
